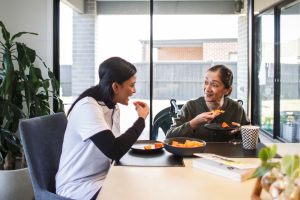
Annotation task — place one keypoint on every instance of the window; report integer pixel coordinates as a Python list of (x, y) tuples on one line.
[(187, 38), (265, 71), (290, 73), (277, 72)]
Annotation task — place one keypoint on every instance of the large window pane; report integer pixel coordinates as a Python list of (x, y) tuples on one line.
[(66, 60), (290, 73), (186, 42), (123, 39), (266, 72), (105, 29)]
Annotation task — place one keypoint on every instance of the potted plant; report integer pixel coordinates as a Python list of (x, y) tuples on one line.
[(24, 93), (278, 179)]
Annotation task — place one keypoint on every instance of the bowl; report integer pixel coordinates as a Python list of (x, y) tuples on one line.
[(183, 151)]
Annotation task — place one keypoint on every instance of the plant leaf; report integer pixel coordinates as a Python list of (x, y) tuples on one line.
[(20, 34), (273, 151), (5, 34), (264, 154)]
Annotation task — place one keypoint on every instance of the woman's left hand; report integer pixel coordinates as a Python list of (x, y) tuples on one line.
[(237, 129)]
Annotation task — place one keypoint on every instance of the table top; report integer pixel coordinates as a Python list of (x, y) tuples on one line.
[(177, 183)]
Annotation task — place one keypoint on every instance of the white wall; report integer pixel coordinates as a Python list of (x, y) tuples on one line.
[(259, 5), (32, 16), (77, 5)]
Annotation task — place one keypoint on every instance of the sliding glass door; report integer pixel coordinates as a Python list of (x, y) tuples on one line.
[(290, 72), (265, 71), (277, 67)]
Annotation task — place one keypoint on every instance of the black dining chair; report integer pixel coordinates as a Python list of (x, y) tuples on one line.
[(42, 139), (164, 119)]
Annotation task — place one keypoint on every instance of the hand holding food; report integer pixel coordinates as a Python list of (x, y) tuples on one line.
[(141, 108), (202, 119), (140, 103)]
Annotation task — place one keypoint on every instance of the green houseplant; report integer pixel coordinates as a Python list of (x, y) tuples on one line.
[(280, 179), (24, 92)]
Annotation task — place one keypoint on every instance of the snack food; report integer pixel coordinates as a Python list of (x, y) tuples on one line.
[(218, 112), (147, 147), (158, 145), (187, 144), (224, 125)]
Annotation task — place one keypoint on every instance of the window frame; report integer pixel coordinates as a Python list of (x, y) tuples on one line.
[(276, 9)]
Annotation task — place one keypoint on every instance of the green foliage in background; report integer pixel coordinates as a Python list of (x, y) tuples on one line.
[(24, 92)]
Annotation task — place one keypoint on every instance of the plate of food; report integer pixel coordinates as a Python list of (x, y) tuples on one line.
[(223, 126), (183, 146), (147, 146)]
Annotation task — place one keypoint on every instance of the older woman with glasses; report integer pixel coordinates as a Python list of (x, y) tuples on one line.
[(214, 107)]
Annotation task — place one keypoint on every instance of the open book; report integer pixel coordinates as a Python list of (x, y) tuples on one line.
[(223, 166)]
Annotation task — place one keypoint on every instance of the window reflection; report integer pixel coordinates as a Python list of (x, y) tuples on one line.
[(290, 73), (266, 72)]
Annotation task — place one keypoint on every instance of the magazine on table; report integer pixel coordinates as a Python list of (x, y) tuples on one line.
[(224, 166)]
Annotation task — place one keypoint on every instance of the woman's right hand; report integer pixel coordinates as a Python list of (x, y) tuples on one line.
[(202, 118), (141, 108)]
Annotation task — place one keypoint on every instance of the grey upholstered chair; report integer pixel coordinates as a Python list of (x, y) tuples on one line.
[(42, 139)]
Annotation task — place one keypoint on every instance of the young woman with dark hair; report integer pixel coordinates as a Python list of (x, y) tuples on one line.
[(92, 137), (196, 113)]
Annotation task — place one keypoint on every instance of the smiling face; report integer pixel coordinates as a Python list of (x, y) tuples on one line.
[(214, 89), (124, 91)]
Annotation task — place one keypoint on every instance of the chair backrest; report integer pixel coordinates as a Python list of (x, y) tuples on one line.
[(240, 102), (173, 108), (42, 139), (163, 119)]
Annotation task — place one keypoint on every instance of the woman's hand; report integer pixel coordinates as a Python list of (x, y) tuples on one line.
[(237, 129), (202, 119), (141, 108)]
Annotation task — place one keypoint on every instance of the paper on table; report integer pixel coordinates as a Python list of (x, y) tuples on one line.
[(227, 161)]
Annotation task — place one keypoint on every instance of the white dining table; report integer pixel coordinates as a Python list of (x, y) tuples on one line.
[(179, 183)]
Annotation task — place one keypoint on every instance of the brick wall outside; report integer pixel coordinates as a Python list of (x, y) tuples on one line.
[(180, 53), (218, 50), (214, 50)]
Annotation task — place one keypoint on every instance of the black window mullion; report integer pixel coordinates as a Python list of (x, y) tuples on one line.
[(151, 69), (256, 110), (276, 124), (56, 67)]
